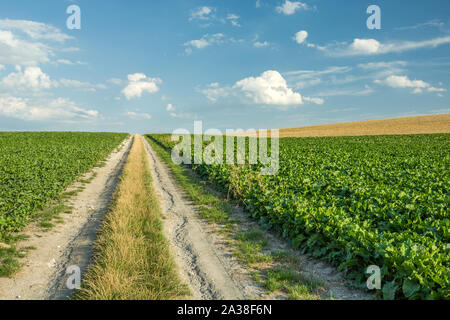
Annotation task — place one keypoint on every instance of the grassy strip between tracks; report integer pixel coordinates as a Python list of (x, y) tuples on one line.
[(276, 271), (132, 258)]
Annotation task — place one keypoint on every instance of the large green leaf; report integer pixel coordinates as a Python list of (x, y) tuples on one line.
[(389, 290), (410, 288)]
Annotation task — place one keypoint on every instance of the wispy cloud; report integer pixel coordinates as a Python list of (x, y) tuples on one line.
[(138, 115), (336, 79), (346, 92), (307, 74), (259, 44), (207, 16), (374, 47), (70, 63), (183, 115), (382, 69), (180, 115), (418, 86), (314, 100), (35, 30), (30, 43), (214, 91), (308, 78), (432, 23), (205, 41), (234, 19), (115, 81), (202, 13), (59, 110), (86, 86), (382, 65)]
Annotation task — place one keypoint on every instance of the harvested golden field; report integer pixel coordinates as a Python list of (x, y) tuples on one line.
[(408, 125)]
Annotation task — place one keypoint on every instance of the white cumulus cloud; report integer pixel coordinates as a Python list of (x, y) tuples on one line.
[(14, 51), (270, 88), (170, 107), (139, 83), (30, 78), (365, 46), (29, 43), (301, 36), (289, 8)]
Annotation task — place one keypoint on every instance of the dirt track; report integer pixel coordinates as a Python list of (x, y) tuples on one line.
[(210, 272), (43, 275)]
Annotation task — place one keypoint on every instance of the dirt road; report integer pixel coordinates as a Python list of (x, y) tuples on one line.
[(43, 275), (210, 271)]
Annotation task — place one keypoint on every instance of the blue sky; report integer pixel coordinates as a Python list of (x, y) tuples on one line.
[(154, 66)]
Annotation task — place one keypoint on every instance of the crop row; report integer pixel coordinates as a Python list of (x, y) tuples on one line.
[(36, 167), (356, 202)]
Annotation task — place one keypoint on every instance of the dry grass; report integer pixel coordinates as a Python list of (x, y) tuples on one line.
[(408, 125), (132, 260)]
